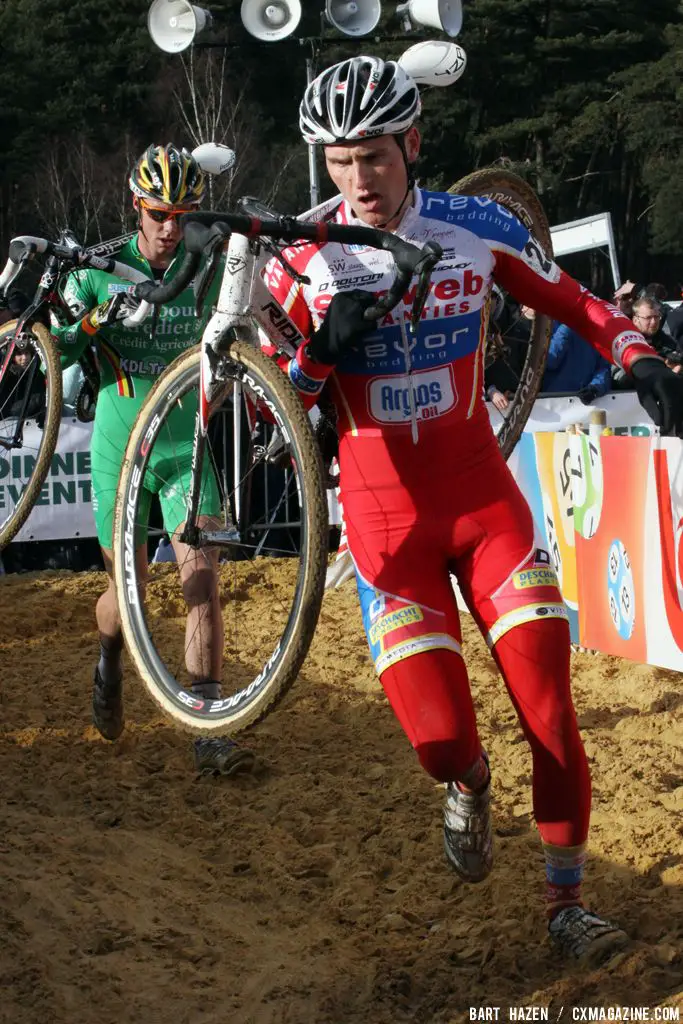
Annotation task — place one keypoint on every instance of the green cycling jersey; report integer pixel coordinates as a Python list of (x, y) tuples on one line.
[(130, 360)]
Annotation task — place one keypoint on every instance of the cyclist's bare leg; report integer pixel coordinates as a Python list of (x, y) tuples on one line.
[(204, 630), (106, 611), (204, 649), (107, 615)]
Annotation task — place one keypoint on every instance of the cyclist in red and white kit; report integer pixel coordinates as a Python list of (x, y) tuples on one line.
[(424, 487)]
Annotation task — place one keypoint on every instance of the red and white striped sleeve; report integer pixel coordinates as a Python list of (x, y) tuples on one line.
[(536, 280)]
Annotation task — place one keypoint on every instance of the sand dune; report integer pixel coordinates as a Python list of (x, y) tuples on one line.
[(314, 891)]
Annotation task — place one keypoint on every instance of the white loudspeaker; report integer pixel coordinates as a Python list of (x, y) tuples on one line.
[(173, 24), (353, 17), (445, 15), (270, 20), (434, 62), (214, 157)]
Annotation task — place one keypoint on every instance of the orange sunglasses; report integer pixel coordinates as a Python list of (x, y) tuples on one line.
[(160, 216)]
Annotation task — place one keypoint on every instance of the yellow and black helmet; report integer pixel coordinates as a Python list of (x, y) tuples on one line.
[(166, 174)]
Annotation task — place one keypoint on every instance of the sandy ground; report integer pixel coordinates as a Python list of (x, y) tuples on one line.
[(314, 890)]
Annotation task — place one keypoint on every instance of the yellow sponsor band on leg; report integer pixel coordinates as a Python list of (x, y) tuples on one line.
[(527, 613), (416, 645)]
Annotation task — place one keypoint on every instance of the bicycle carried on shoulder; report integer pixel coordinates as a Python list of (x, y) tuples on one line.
[(240, 394), (269, 606), (30, 371)]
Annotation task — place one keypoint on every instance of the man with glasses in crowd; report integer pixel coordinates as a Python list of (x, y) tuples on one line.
[(648, 318), (166, 182)]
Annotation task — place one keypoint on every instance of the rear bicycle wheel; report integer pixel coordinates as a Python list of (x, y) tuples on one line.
[(265, 531), (517, 195), (30, 415)]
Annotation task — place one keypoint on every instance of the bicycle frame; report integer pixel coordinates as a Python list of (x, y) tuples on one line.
[(243, 300), (47, 295)]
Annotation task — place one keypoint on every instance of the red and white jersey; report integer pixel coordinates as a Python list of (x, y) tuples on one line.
[(482, 243)]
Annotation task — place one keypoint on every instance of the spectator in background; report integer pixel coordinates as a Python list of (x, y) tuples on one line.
[(674, 327), (655, 291), (574, 366), (658, 294), (505, 350), (647, 317), (624, 296)]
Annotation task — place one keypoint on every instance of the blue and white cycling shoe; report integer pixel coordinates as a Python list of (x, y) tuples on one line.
[(583, 936), (467, 832)]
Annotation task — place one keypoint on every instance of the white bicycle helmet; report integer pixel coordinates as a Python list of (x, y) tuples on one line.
[(357, 99)]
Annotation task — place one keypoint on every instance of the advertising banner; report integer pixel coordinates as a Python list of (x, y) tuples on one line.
[(63, 510), (610, 480), (611, 511)]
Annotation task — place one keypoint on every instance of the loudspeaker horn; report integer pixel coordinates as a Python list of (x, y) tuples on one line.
[(173, 24), (442, 14), (434, 62), (270, 20), (353, 17)]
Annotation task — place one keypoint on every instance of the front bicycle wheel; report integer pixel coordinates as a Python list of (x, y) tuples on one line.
[(30, 415), (517, 195), (263, 514)]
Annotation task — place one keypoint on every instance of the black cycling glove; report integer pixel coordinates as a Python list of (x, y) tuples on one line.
[(342, 328), (660, 391), (588, 394)]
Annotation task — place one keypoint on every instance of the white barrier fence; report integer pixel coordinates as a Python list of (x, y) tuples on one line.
[(64, 511)]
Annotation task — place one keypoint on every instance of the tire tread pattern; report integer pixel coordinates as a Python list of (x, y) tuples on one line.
[(311, 469), (53, 416)]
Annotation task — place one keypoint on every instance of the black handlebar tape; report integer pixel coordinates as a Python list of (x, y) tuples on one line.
[(407, 257), (198, 236), (290, 230), (158, 294)]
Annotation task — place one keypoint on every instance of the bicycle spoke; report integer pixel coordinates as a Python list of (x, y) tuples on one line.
[(257, 564)]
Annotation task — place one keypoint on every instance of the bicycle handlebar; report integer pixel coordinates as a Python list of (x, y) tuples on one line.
[(200, 229), (156, 294), (25, 246)]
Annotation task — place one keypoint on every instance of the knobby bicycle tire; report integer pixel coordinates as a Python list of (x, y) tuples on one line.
[(46, 349), (516, 195), (280, 671)]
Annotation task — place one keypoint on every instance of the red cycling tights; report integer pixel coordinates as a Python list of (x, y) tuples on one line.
[(405, 540)]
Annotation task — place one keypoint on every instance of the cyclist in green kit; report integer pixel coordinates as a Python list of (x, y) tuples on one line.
[(166, 182)]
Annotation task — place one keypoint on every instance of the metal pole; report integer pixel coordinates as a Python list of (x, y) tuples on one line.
[(616, 277), (312, 162)]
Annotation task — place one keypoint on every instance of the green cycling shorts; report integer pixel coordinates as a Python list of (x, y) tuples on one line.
[(168, 476)]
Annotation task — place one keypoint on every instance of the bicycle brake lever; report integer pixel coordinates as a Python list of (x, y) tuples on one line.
[(213, 251), (432, 253)]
